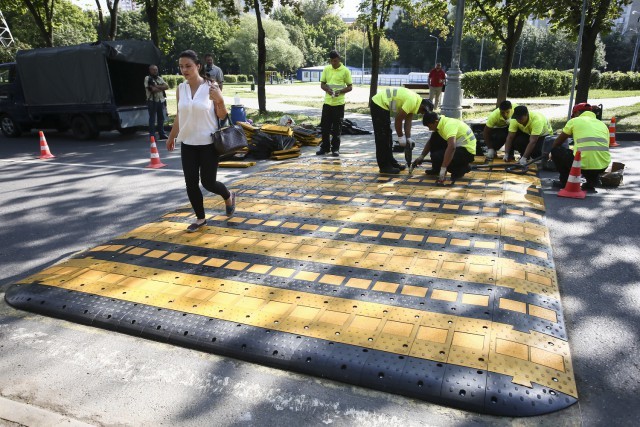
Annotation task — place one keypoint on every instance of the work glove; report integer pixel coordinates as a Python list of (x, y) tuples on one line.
[(410, 141), (523, 160), (506, 157), (442, 176), (418, 161), (402, 141), (491, 153)]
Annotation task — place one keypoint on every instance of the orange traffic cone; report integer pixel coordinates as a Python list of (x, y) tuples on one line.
[(155, 156), (612, 133), (572, 189), (44, 148)]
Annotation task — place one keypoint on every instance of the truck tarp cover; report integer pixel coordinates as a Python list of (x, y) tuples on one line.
[(77, 74)]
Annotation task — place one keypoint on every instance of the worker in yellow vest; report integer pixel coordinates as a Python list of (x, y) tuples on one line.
[(403, 103), (527, 132), (496, 129), (591, 138), (452, 147), (335, 81)]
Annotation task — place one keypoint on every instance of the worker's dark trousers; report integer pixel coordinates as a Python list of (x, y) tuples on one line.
[(156, 113), (461, 157), (331, 125), (382, 133), (521, 141), (563, 159), (498, 138)]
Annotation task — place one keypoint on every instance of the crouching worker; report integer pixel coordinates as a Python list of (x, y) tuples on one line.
[(497, 128), (527, 132), (452, 146), (591, 138), (404, 103)]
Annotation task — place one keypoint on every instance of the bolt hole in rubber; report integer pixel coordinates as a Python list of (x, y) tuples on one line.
[(441, 293)]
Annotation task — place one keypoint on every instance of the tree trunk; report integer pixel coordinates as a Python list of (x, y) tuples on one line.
[(151, 7), (586, 63), (113, 11), (375, 65), (102, 34), (262, 60), (44, 26), (514, 31)]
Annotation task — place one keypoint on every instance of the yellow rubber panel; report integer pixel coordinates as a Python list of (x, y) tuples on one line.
[(459, 278)]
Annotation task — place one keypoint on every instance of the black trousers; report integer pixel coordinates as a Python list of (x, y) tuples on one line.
[(331, 125), (563, 159), (156, 114), (383, 137), (498, 138), (521, 141), (461, 157), (200, 164)]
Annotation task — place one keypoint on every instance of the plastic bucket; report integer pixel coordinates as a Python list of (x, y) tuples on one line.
[(238, 114)]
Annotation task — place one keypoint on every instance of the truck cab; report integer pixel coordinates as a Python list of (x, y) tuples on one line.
[(12, 110)]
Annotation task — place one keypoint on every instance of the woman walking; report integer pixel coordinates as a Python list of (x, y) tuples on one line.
[(200, 105)]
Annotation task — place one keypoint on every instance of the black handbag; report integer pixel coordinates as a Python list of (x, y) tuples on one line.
[(228, 139)]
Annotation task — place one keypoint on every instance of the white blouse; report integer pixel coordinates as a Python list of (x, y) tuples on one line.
[(196, 116)]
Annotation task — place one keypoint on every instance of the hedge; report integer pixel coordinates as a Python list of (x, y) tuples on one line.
[(619, 81), (523, 83), (173, 81), (230, 78), (242, 78)]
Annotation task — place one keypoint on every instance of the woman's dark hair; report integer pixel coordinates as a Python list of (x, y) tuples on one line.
[(194, 57)]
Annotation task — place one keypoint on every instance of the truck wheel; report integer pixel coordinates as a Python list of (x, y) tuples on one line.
[(83, 128), (9, 127)]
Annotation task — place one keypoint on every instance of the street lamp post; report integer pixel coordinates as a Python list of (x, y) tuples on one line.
[(452, 104), (362, 76), (437, 45), (481, 49), (635, 51)]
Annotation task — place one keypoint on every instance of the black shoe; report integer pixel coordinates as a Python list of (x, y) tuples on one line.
[(390, 170), (230, 209), (163, 136), (196, 226), (432, 172), (588, 188), (557, 184), (401, 167), (320, 152), (335, 153)]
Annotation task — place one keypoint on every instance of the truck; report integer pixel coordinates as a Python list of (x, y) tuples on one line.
[(87, 88)]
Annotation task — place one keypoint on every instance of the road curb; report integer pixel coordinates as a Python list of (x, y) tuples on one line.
[(32, 416)]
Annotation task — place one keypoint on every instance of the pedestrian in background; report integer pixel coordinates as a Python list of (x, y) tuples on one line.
[(335, 81), (200, 106), (154, 86), (437, 79), (213, 70)]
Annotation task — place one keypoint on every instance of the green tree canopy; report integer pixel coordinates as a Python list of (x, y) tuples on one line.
[(281, 53)]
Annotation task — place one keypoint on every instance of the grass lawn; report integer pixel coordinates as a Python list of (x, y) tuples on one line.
[(600, 94), (627, 118)]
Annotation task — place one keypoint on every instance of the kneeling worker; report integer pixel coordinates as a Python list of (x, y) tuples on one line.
[(452, 146), (404, 103), (497, 128), (527, 132), (591, 138)]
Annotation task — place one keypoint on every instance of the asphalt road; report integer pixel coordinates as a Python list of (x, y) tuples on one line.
[(94, 191)]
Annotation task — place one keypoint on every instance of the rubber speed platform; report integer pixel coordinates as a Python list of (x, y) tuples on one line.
[(446, 294)]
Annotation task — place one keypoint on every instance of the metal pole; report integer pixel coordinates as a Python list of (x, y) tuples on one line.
[(575, 67), (481, 49), (437, 45), (452, 104), (363, 35), (635, 53)]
